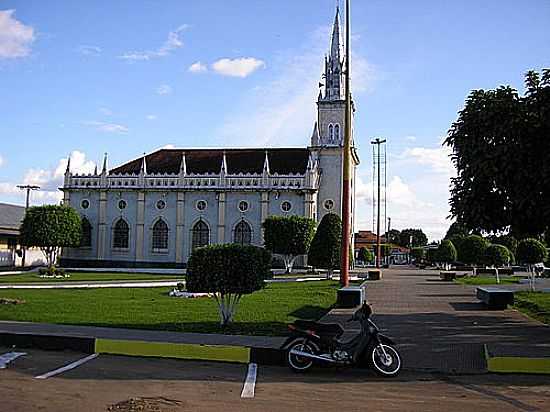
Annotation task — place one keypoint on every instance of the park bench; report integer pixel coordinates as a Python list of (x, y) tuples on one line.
[(351, 296), (374, 274), (447, 276), (495, 298)]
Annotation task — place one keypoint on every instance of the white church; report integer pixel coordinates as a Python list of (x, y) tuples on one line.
[(154, 210)]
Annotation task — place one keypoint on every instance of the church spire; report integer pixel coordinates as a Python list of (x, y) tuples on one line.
[(334, 80), (336, 41)]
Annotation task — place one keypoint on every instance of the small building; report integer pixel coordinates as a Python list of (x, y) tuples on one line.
[(398, 255), (11, 217)]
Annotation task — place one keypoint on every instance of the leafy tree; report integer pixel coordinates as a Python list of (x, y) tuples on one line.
[(529, 252), (497, 256), (228, 271), (446, 253), (50, 228), (393, 236), (418, 238), (499, 143), (325, 249), (431, 256), (472, 250), (418, 254), (288, 236), (506, 240), (366, 255)]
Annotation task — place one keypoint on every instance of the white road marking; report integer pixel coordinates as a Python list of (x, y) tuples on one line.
[(67, 367), (8, 357), (250, 382)]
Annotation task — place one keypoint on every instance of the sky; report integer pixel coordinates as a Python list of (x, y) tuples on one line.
[(81, 79)]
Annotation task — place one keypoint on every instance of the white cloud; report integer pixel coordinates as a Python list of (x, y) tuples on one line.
[(164, 89), (240, 67), (107, 127), (15, 37), (437, 159), (87, 50), (1, 160), (172, 43), (198, 67), (151, 117), (410, 138), (105, 111)]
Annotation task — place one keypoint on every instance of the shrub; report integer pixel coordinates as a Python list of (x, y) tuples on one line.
[(324, 252), (472, 249), (529, 252), (497, 256), (228, 271), (506, 240), (51, 228), (366, 255), (418, 254), (446, 253), (288, 236)]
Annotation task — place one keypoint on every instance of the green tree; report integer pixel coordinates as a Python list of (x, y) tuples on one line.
[(431, 256), (472, 250), (228, 271), (418, 254), (457, 229), (288, 236), (393, 236), (51, 228), (506, 240), (498, 145), (529, 252), (324, 252), (418, 238), (497, 256), (366, 255), (446, 253)]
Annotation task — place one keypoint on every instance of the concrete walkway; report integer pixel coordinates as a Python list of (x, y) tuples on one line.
[(92, 285)]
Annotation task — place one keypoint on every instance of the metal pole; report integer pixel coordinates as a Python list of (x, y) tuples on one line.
[(28, 188), (378, 142), (344, 264)]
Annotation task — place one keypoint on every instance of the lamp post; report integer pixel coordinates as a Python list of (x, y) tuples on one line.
[(378, 142), (28, 188)]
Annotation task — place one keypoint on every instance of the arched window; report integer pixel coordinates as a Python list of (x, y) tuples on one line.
[(243, 233), (330, 133), (160, 235), (121, 234), (200, 235), (86, 239), (337, 132)]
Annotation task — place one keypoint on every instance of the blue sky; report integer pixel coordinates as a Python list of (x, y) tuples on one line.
[(84, 78)]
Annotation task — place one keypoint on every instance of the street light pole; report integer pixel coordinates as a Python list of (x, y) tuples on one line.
[(378, 142), (28, 188), (346, 183)]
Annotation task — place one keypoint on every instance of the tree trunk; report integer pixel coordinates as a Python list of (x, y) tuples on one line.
[(532, 278), (289, 262), (496, 273), (329, 274)]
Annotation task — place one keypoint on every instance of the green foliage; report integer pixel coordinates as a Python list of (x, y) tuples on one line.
[(506, 240), (393, 236), (418, 253), (228, 271), (499, 144), (531, 251), (324, 252), (446, 252), (431, 256), (457, 229), (418, 238), (51, 271), (497, 255), (50, 228), (366, 255), (472, 249)]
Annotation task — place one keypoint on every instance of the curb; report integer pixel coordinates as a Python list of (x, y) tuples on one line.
[(190, 351), (516, 364)]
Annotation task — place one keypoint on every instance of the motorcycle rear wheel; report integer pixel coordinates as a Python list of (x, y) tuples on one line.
[(385, 360), (300, 364)]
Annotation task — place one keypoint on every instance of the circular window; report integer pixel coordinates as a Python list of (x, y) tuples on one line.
[(286, 206), (85, 204), (122, 204), (243, 206), (201, 205), (328, 204), (161, 204)]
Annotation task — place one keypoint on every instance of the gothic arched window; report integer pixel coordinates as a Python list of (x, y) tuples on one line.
[(243, 233), (86, 239), (160, 235), (200, 235), (337, 132), (121, 234), (330, 133)]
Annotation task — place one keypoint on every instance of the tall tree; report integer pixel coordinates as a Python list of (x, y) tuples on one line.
[(324, 252), (418, 238), (500, 142), (393, 236)]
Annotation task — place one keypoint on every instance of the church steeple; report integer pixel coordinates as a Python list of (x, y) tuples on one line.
[(333, 76)]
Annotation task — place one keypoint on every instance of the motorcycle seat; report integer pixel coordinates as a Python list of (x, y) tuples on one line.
[(325, 329)]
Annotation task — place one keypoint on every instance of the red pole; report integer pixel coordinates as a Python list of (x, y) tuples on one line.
[(346, 181)]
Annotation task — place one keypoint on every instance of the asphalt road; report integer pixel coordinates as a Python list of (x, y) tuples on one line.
[(120, 383)]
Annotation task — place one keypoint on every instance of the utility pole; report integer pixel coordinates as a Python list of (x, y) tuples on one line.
[(28, 188), (378, 142), (346, 184)]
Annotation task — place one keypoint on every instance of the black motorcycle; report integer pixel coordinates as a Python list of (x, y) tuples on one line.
[(312, 342)]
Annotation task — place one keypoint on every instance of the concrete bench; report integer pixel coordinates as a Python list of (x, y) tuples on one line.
[(495, 298), (374, 274), (351, 296), (447, 276)]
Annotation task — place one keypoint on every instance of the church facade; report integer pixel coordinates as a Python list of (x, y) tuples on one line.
[(154, 210)]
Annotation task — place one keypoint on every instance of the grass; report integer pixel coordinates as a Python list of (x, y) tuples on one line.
[(488, 280), (265, 312), (85, 277), (534, 304)]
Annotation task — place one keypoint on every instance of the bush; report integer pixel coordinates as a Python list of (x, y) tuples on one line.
[(446, 253), (418, 254), (51, 271), (366, 255), (228, 271), (324, 252), (288, 236), (497, 256), (529, 252), (506, 240), (472, 250)]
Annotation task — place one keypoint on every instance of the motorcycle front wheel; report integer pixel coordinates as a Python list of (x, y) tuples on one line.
[(385, 360), (299, 363)]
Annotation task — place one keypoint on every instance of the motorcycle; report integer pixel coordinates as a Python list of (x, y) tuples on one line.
[(312, 343)]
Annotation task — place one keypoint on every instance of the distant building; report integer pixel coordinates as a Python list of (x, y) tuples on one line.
[(11, 217), (154, 210), (399, 255)]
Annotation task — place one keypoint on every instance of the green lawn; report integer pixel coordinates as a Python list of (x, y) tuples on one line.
[(534, 304), (265, 312), (85, 276), (488, 280)]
